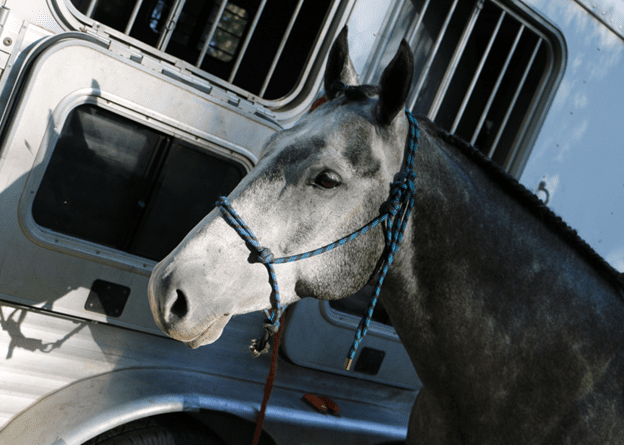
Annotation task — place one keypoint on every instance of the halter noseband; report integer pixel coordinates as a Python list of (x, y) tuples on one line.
[(395, 211)]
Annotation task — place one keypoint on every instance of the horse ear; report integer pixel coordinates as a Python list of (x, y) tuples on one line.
[(395, 84), (339, 65)]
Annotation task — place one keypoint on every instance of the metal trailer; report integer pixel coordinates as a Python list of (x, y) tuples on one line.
[(121, 121)]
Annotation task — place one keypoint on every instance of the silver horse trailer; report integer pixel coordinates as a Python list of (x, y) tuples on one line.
[(121, 123)]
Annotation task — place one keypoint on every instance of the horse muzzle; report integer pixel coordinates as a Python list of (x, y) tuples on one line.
[(178, 315)]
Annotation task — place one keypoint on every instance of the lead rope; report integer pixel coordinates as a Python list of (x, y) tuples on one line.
[(395, 211), (268, 386), (399, 208)]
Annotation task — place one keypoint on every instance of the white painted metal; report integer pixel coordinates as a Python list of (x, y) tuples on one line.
[(102, 376)]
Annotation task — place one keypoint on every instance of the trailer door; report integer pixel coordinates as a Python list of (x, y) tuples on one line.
[(112, 156)]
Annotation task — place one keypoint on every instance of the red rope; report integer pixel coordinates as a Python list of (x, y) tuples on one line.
[(268, 386), (320, 101)]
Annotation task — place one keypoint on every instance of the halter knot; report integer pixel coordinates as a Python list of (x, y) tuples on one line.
[(264, 255), (405, 181), (270, 327), (390, 207)]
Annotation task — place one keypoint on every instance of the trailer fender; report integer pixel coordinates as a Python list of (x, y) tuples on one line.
[(89, 407)]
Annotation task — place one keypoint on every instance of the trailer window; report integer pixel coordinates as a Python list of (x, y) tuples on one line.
[(265, 47), (484, 70), (118, 183)]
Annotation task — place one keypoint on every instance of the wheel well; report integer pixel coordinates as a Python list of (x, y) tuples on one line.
[(221, 427), (233, 430)]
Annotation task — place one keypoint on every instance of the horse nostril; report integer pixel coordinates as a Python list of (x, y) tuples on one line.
[(180, 307)]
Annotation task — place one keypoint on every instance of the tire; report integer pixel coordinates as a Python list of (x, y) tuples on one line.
[(159, 430)]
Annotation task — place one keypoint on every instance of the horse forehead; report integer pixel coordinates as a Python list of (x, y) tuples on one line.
[(342, 122), (348, 136)]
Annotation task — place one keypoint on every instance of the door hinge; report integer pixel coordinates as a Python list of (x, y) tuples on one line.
[(98, 32)]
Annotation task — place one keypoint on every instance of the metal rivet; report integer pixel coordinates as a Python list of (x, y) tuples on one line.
[(8, 41)]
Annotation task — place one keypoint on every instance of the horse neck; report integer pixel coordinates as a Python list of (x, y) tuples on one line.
[(476, 269)]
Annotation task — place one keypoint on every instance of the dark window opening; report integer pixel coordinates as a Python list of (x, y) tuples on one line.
[(482, 69), (481, 115), (246, 42), (118, 183)]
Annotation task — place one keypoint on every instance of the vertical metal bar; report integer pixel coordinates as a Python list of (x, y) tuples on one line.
[(133, 16), (457, 54), (211, 33), (477, 73), (413, 29), (281, 48), (511, 157), (91, 8), (243, 49), (382, 44), (513, 100), (496, 85), (170, 24), (314, 53), (434, 51)]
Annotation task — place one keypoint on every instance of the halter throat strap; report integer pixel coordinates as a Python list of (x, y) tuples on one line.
[(395, 213)]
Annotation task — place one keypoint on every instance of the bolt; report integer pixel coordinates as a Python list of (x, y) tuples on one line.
[(8, 41)]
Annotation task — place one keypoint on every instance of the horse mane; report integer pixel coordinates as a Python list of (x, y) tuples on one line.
[(507, 183), (529, 201), (355, 93)]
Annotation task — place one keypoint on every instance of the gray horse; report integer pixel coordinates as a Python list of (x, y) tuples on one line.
[(514, 325)]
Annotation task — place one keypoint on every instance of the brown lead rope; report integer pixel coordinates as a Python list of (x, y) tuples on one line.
[(268, 386)]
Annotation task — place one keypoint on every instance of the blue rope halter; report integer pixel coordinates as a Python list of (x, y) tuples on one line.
[(395, 211)]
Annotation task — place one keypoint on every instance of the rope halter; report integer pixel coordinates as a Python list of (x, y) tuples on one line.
[(395, 212)]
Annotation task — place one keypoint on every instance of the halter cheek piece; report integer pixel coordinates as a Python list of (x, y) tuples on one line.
[(395, 211)]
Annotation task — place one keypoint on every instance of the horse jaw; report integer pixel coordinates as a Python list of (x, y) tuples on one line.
[(207, 279)]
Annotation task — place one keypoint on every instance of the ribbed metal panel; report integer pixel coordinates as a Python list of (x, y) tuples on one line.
[(40, 354)]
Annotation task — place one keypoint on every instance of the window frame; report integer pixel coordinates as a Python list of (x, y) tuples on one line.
[(87, 249), (517, 156), (350, 321), (292, 105)]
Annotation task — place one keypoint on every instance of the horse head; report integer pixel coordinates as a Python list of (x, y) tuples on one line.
[(314, 183)]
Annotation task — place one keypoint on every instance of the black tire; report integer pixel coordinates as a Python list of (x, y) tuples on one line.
[(159, 430)]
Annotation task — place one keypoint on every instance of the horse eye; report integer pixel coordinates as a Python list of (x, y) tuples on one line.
[(327, 180)]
